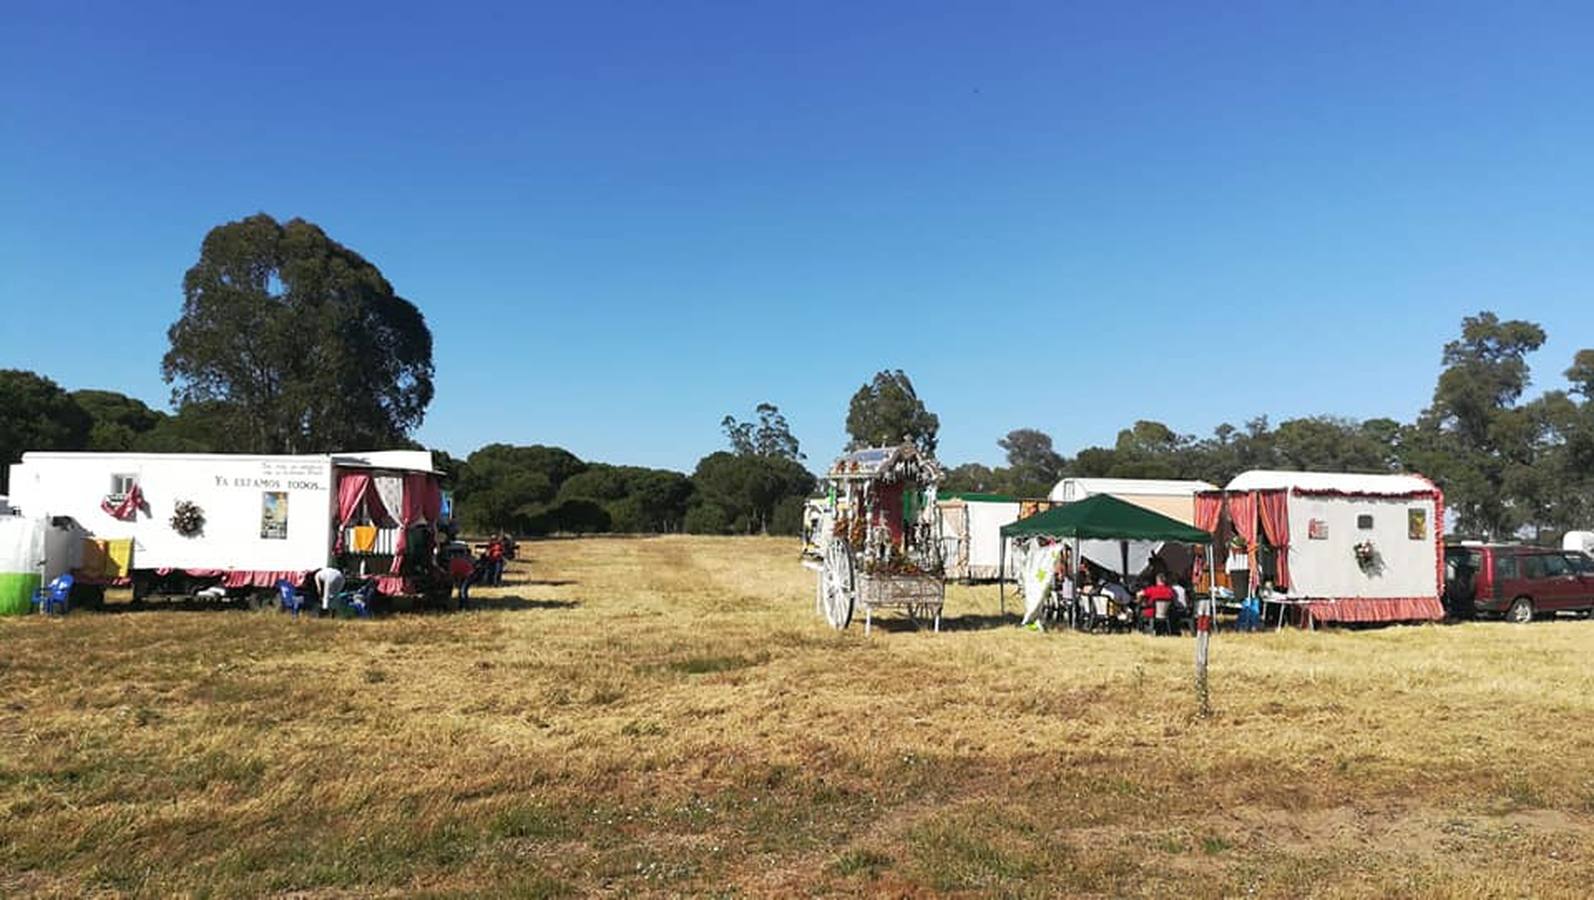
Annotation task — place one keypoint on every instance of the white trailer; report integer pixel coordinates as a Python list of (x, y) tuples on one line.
[(1174, 499), (238, 521), (1355, 547), (970, 527)]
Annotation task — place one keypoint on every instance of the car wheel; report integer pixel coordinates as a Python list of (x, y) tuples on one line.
[(1521, 611)]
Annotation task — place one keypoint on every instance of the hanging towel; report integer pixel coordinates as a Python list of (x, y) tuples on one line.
[(364, 538)]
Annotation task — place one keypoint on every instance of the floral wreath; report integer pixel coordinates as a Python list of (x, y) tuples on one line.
[(188, 519), (1365, 552)]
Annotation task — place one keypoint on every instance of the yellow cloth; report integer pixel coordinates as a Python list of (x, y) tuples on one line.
[(104, 559), (364, 538), (119, 558), (94, 559)]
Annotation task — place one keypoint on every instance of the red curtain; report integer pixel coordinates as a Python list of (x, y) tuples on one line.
[(423, 503), (889, 505), (1208, 512), (352, 488), (424, 496), (1242, 515), (1274, 506)]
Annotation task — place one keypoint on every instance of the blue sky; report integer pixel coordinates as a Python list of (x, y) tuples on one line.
[(625, 220)]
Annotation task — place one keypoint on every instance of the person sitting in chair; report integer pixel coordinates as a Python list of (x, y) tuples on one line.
[(1120, 594), (1152, 593)]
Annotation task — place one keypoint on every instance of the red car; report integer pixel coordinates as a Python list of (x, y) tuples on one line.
[(1519, 582)]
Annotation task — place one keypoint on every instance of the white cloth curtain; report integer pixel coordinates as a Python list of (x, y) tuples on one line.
[(1036, 572), (1109, 555), (390, 488)]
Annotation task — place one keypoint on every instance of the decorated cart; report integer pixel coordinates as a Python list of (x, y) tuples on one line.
[(878, 533)]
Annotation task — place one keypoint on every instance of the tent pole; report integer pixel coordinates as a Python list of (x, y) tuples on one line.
[(1123, 549), (1001, 573), (1077, 564), (1204, 625)]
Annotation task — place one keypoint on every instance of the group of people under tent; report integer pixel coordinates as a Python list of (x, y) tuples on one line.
[(1068, 594)]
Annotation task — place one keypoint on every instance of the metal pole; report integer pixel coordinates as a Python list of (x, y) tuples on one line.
[(1001, 573), (1203, 627), (1075, 563)]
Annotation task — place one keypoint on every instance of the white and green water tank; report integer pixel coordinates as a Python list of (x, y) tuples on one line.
[(21, 562)]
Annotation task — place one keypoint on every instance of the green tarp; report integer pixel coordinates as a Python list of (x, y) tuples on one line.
[(16, 592), (1104, 517), (21, 559)]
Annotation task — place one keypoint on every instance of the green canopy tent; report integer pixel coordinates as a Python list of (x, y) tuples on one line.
[(1102, 517)]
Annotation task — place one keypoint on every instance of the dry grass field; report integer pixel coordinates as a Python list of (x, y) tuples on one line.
[(668, 716)]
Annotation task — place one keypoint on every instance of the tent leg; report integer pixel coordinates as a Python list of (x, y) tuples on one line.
[(1077, 564), (1212, 583), (868, 619), (1001, 575)]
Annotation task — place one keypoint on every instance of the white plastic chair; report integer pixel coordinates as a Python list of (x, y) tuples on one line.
[(1100, 610)]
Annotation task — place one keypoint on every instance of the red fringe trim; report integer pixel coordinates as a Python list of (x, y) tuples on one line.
[(1384, 609)]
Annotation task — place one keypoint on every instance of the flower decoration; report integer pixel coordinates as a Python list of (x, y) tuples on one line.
[(1365, 553), (188, 519)]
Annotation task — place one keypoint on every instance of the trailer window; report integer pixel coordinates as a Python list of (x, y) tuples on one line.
[(1417, 524), (120, 485), (1365, 522)]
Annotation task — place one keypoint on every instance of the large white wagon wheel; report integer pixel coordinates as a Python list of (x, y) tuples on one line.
[(836, 584)]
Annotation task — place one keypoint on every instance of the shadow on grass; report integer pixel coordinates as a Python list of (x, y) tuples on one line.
[(526, 582), (893, 621), (516, 604), (181, 604)]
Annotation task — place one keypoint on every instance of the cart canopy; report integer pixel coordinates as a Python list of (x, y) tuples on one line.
[(1105, 517)]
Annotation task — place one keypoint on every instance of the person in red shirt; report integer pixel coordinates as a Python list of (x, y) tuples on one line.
[(1150, 594), (462, 572), (495, 558)]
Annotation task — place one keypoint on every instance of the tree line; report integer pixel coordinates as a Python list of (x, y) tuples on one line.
[(289, 342), (1508, 466)]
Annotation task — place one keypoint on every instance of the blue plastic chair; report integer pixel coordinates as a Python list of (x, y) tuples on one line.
[(358, 600), (292, 600), (52, 598), (361, 600)]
